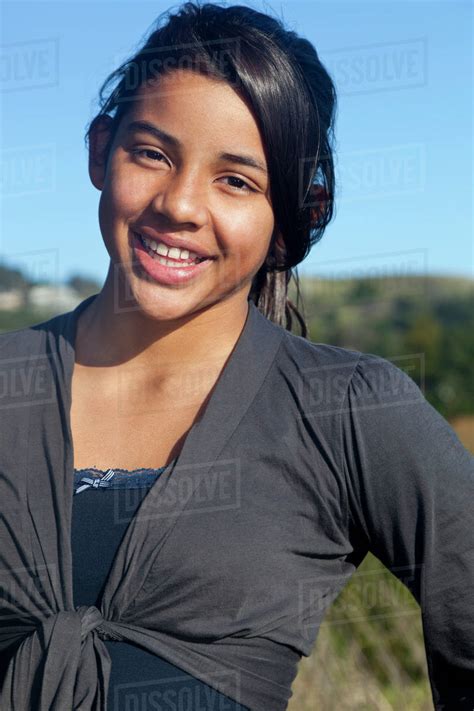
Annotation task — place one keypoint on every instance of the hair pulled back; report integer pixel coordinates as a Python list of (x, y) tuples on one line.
[(293, 101)]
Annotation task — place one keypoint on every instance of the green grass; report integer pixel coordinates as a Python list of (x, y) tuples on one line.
[(369, 653)]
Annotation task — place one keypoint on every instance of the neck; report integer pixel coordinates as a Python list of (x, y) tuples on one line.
[(110, 337)]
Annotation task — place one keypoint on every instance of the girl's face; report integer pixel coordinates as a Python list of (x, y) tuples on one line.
[(182, 187)]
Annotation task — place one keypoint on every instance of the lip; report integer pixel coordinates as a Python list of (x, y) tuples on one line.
[(174, 276), (171, 241)]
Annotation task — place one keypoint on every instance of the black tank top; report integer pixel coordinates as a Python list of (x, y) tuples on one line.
[(139, 680)]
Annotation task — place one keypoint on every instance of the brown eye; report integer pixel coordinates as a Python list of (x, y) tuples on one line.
[(149, 152), (239, 180)]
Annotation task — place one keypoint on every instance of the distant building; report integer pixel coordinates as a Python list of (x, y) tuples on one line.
[(50, 297), (11, 300), (42, 297)]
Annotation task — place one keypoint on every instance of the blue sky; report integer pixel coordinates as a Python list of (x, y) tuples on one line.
[(404, 131)]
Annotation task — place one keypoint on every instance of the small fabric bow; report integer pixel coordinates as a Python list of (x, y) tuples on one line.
[(96, 482)]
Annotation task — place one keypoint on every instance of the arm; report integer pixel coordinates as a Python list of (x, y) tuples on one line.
[(410, 485)]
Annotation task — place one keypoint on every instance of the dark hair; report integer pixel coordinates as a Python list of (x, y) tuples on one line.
[(293, 100)]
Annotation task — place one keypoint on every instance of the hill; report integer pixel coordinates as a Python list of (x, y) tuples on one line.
[(424, 324)]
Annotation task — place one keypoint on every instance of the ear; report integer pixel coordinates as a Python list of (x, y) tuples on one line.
[(317, 199), (279, 249), (279, 242), (99, 136)]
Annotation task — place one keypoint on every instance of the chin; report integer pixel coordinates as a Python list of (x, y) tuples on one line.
[(162, 307)]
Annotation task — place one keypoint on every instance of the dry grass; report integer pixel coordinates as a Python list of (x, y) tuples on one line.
[(464, 427)]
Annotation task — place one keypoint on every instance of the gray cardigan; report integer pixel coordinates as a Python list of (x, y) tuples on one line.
[(307, 457)]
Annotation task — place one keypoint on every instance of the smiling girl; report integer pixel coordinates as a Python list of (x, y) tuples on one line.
[(177, 199), (193, 484)]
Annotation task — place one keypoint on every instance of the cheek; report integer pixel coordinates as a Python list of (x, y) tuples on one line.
[(129, 198), (122, 196), (117, 206), (248, 235)]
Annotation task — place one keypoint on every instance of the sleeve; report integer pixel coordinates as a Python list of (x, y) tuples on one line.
[(410, 488)]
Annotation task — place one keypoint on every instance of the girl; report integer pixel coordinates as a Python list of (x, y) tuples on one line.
[(192, 484)]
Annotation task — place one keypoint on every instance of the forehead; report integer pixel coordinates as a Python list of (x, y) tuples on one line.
[(182, 83), (189, 98)]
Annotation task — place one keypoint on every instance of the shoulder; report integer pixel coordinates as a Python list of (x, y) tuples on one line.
[(31, 358), (31, 339), (384, 385), (335, 380), (318, 360), (18, 341), (355, 362), (318, 353)]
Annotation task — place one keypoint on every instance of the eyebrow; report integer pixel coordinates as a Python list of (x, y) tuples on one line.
[(241, 159)]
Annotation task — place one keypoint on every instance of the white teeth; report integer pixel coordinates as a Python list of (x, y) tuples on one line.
[(176, 253), (172, 252), (166, 262)]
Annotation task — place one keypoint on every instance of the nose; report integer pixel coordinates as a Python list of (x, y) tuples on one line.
[(182, 199)]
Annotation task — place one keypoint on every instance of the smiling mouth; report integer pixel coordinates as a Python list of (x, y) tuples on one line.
[(164, 258)]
